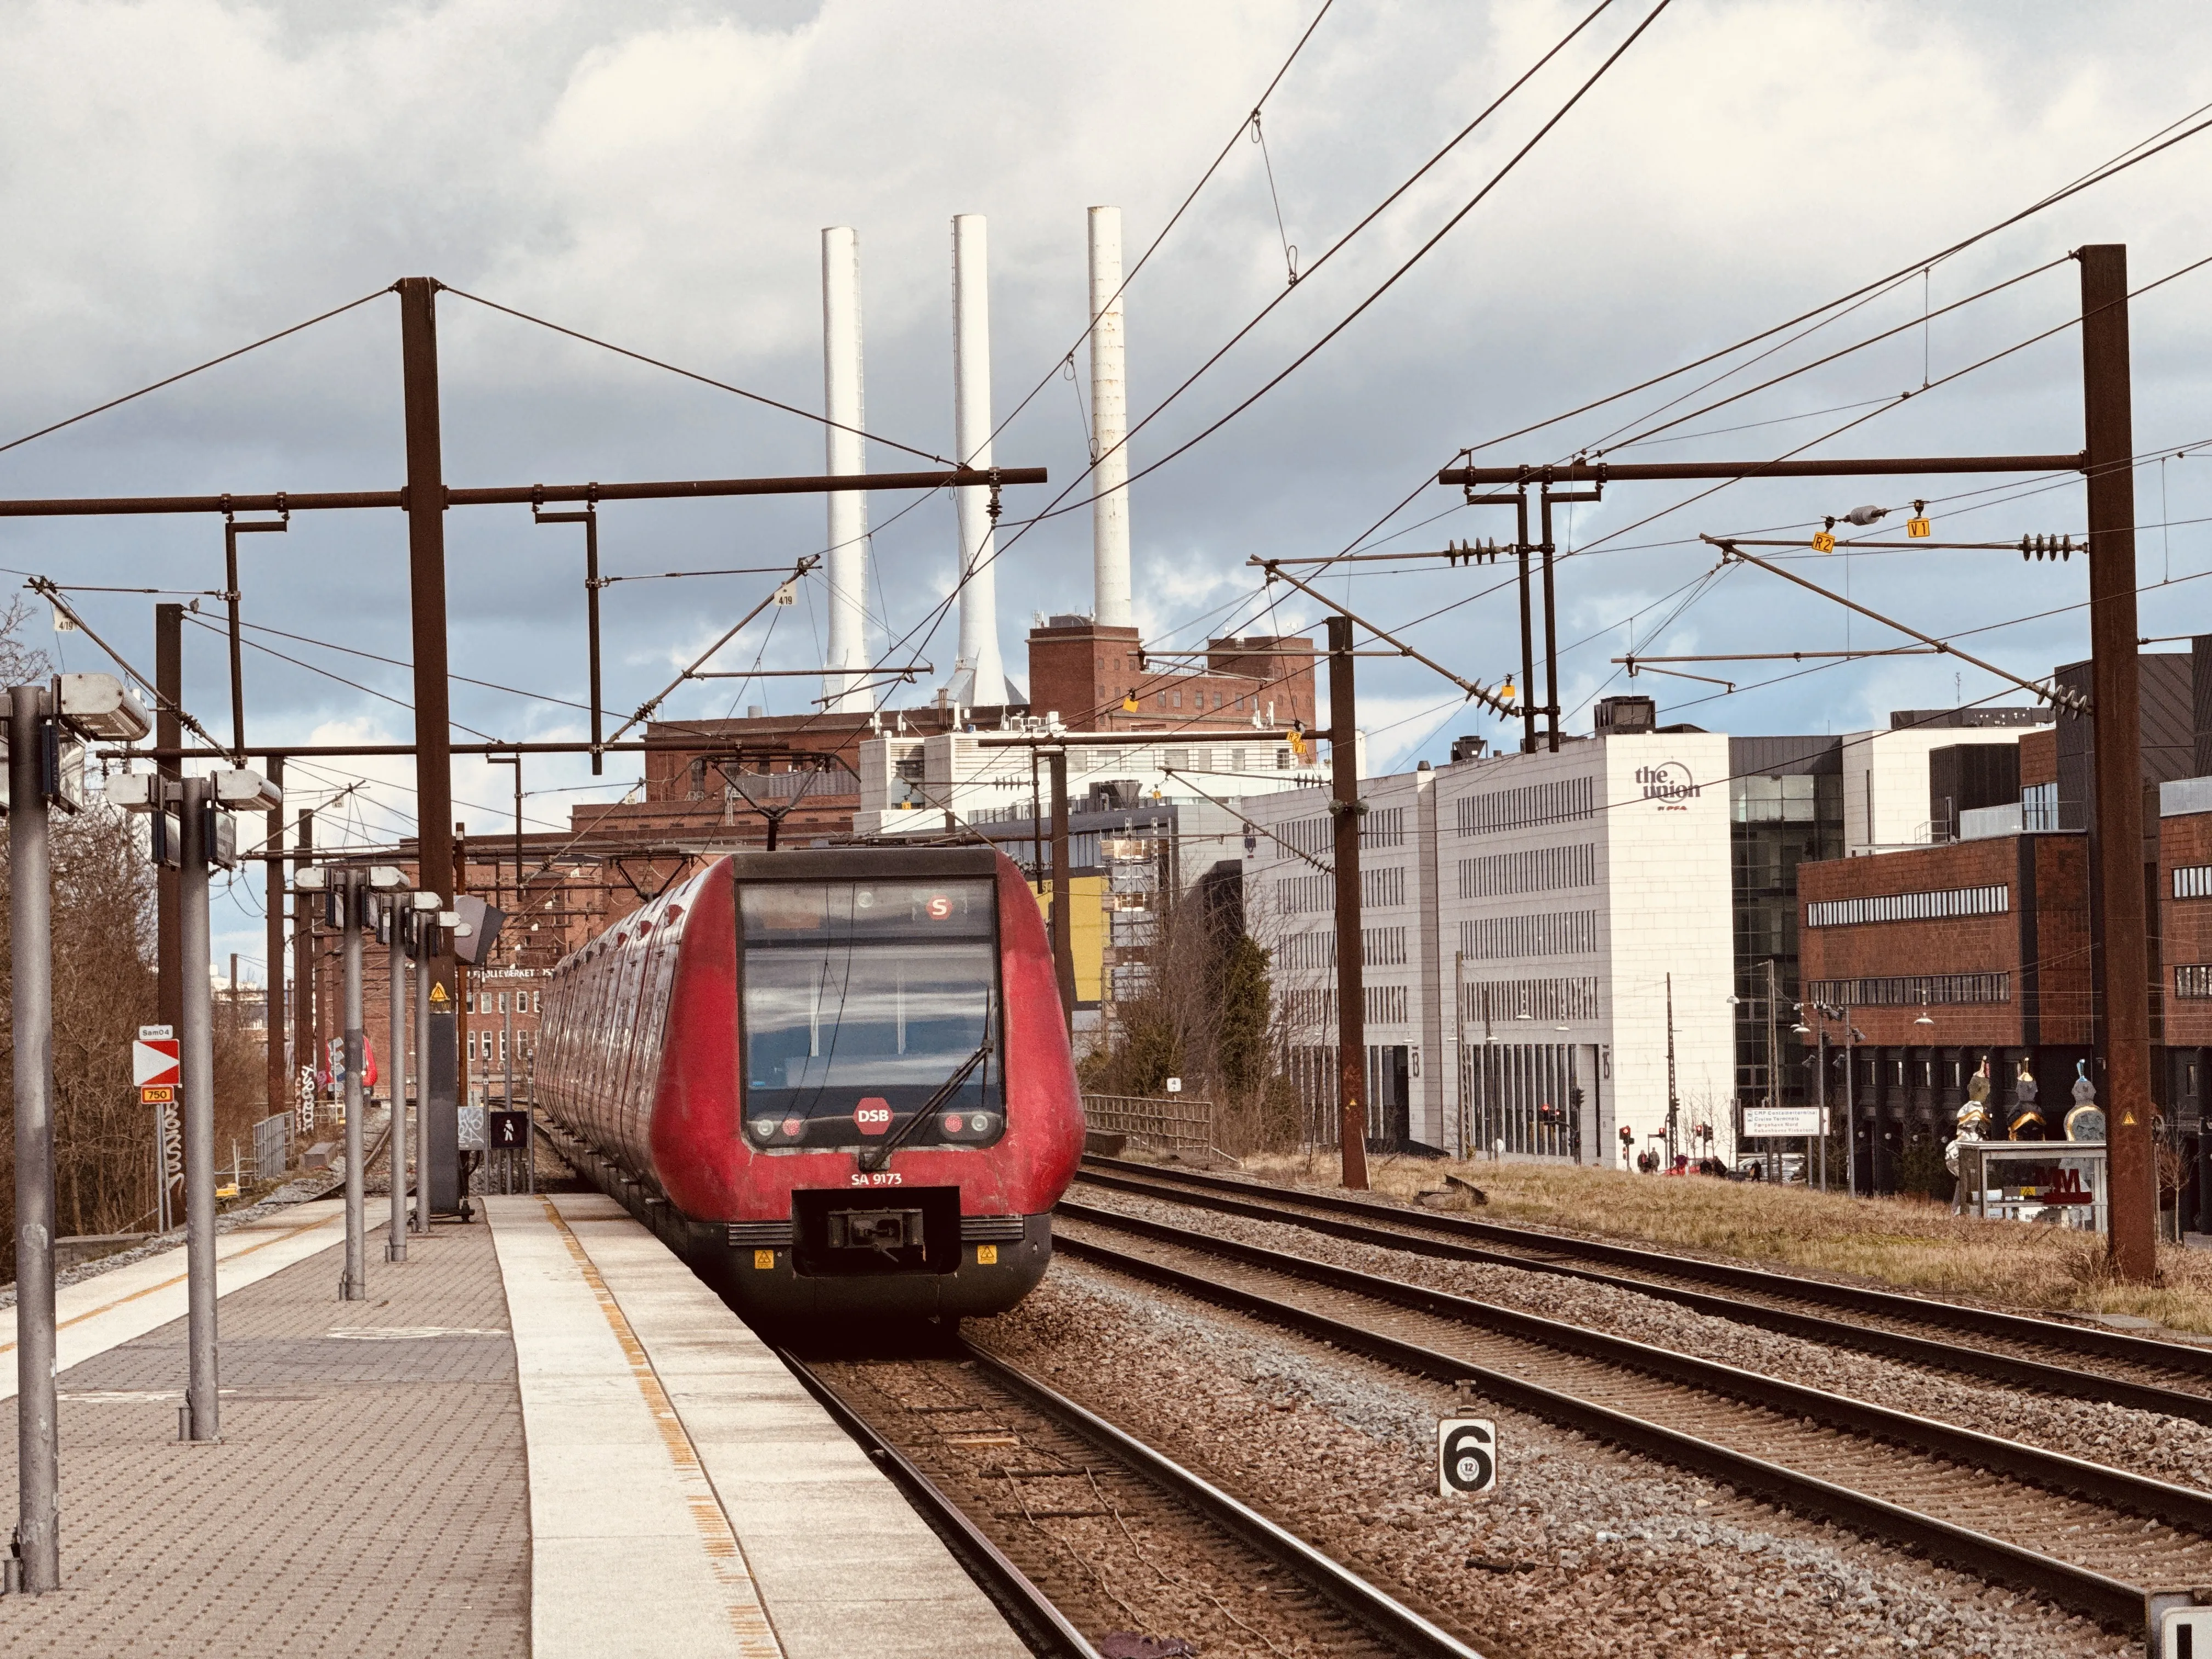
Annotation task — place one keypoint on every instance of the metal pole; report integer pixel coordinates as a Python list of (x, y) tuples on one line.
[(202, 1396), (1460, 1068), (1036, 825), (591, 625), (423, 947), (168, 733), (2116, 849), (303, 958), (1773, 1067), (1527, 637), (395, 1233), (272, 867), (1351, 976), (439, 1061), (353, 1286), (1851, 1106), (38, 1447), (1673, 1105), (1821, 1088), (1551, 638), (1063, 903)]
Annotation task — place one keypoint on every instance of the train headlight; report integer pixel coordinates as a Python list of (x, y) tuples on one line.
[(981, 1123), (764, 1127)]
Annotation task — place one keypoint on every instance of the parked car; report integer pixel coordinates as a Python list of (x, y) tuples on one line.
[(1759, 1166)]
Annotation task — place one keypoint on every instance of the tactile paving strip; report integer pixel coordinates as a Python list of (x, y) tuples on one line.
[(368, 1497)]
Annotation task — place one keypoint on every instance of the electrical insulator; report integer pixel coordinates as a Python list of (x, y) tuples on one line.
[(2046, 547)]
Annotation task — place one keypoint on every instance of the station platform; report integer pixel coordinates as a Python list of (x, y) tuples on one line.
[(539, 1436)]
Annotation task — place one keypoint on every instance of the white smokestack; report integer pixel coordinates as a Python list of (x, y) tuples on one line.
[(1109, 424), (978, 677), (842, 403)]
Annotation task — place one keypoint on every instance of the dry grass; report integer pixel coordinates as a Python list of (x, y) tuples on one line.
[(1905, 1243)]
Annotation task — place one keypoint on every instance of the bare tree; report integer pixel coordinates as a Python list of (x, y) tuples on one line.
[(103, 988), (1206, 1016)]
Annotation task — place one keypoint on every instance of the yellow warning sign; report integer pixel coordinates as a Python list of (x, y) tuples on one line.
[(2128, 1119), (763, 1260), (438, 994), (157, 1094), (1917, 528), (1823, 542), (987, 1255)]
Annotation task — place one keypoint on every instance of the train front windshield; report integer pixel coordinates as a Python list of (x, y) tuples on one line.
[(860, 1001)]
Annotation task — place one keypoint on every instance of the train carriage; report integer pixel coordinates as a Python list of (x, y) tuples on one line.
[(838, 1080)]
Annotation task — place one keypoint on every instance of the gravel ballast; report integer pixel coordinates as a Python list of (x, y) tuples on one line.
[(2143, 1443), (1583, 1550)]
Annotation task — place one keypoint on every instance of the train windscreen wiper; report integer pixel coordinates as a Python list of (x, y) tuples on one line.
[(881, 1155)]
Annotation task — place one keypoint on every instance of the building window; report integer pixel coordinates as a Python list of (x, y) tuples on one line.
[(1910, 907), (472, 1047), (1561, 802), (1383, 826), (1175, 699), (1908, 990), (502, 1002), (1488, 1001), (1559, 933), (1380, 888), (2039, 807), (1541, 870), (1163, 698), (2193, 881), (2193, 983)]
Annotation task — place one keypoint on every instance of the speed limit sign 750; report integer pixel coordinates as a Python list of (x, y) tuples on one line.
[(1467, 1455)]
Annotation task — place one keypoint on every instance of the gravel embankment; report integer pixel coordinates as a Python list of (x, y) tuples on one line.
[(1582, 1551), (2144, 1443)]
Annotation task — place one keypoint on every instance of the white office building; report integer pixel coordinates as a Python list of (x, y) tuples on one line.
[(1524, 919)]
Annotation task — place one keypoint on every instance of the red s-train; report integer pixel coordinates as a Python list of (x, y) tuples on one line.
[(837, 1080)]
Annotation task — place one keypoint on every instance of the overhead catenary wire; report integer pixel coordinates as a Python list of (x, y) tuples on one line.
[(196, 368), (693, 374), (1021, 528), (2132, 155), (1955, 374), (1174, 219)]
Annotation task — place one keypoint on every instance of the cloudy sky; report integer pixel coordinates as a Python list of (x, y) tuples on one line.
[(182, 176)]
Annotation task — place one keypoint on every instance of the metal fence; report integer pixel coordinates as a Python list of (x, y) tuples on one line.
[(272, 1146), (1175, 1124)]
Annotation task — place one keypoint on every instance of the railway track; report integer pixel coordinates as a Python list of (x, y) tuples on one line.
[(2019, 1351), (2097, 1540), (1077, 1529)]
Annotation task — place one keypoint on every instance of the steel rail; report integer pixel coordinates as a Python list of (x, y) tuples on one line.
[(2159, 1500), (2008, 1369), (1040, 1624), (2109, 1600), (1352, 1595), (2019, 1327)]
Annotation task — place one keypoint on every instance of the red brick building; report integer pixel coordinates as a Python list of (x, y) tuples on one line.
[(1087, 673), (1943, 956)]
